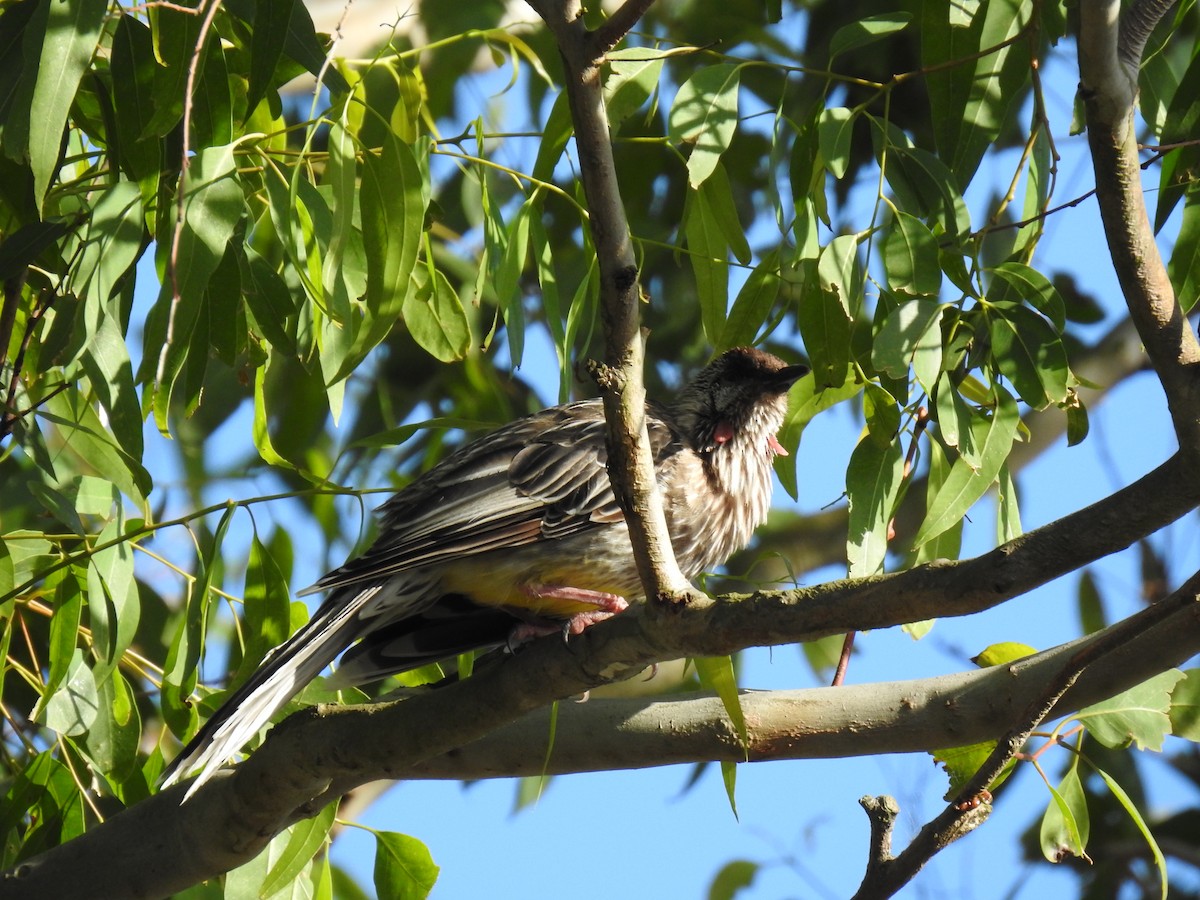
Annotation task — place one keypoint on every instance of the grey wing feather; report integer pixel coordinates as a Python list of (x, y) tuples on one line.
[(540, 478)]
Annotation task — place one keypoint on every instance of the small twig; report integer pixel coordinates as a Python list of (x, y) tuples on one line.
[(180, 197), (9, 417), (971, 805), (619, 24)]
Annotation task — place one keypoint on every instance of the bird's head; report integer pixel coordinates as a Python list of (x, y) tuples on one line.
[(738, 399)]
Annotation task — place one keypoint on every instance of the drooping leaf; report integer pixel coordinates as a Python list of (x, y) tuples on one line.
[(873, 481), (1065, 824), (705, 115), (966, 483), (72, 33), (404, 870)]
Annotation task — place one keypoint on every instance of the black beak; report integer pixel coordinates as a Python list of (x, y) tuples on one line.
[(787, 376)]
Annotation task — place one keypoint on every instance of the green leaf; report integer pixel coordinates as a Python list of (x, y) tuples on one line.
[(1065, 824), (509, 293), (212, 207), (555, 134), (114, 605), (1131, 810), (961, 764), (271, 21), (873, 481), (1008, 511), (436, 319), (1185, 706), (1184, 265), (717, 674), (753, 304), (1002, 653), (806, 400), (1029, 354), (115, 736), (866, 30), (911, 335), (304, 841), (719, 195), (64, 629), (134, 73), (404, 870), (708, 253), (732, 878), (72, 33), (729, 779), (835, 128), (181, 670), (87, 437), (954, 417), (393, 217), (922, 182), (633, 77), (266, 605), (974, 76), (21, 248), (1139, 715), (966, 484), (304, 47), (910, 257), (106, 361), (705, 114), (341, 175), (1034, 287), (72, 708)]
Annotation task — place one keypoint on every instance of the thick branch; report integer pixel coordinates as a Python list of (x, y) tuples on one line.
[(819, 723), (1109, 86), (164, 848), (631, 466)]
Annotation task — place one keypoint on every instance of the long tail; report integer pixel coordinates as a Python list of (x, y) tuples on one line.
[(282, 675)]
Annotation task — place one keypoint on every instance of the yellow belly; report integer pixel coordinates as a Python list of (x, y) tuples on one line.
[(511, 579)]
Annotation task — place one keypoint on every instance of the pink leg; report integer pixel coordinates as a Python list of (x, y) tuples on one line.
[(607, 605), (610, 603)]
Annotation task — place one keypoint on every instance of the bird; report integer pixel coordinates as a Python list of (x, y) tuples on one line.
[(518, 534)]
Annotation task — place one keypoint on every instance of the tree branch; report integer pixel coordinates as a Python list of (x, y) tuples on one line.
[(1108, 84), (160, 847), (962, 814), (631, 466), (619, 24)]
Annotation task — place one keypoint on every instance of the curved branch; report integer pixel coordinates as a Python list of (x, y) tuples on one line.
[(231, 818), (1108, 84), (1136, 26)]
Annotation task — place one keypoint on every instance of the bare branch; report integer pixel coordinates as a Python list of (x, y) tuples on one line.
[(1108, 84), (630, 462), (619, 24)]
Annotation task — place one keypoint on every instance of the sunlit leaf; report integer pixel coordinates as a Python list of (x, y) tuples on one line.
[(1138, 716), (404, 870), (705, 115)]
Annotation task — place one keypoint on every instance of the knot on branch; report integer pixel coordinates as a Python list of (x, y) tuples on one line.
[(607, 378), (625, 278)]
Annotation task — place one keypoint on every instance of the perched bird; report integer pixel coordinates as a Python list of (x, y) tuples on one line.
[(519, 533)]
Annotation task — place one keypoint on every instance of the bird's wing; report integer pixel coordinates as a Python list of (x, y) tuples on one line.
[(540, 478)]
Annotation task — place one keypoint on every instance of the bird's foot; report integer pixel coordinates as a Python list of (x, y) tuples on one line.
[(607, 605), (602, 600)]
